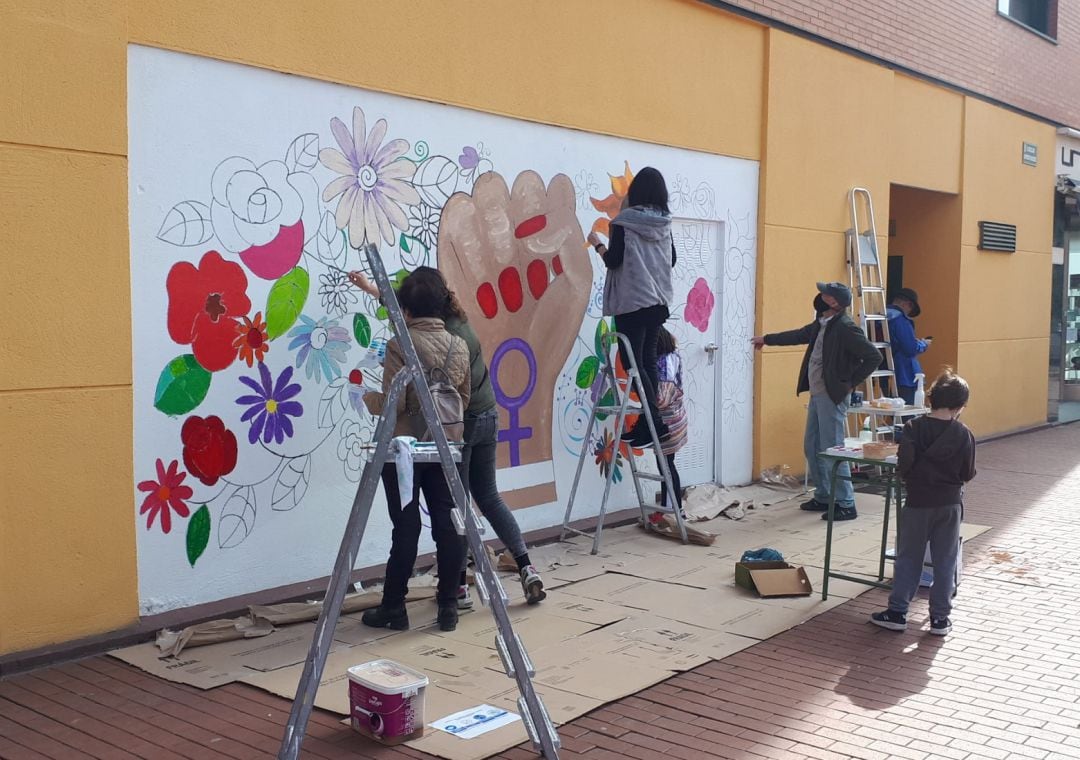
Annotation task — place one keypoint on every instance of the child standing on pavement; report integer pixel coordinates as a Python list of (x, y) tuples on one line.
[(936, 459)]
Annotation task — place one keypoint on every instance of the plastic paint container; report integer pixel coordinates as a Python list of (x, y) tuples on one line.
[(386, 701)]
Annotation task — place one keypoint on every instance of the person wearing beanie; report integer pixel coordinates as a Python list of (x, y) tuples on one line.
[(838, 358)]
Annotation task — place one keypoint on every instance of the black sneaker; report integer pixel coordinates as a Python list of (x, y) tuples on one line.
[(395, 618), (814, 506), (889, 619), (941, 626), (632, 433), (841, 513), (448, 616)]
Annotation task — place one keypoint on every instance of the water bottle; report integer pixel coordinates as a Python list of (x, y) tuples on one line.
[(866, 434)]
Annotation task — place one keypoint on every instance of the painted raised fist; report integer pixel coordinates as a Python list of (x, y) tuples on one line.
[(517, 261)]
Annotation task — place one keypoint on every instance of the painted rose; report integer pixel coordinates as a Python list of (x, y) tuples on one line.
[(264, 213), (165, 495), (204, 304), (699, 305), (209, 448)]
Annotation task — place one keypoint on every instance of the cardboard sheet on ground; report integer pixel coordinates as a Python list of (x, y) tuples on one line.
[(219, 664), (333, 693), (652, 629), (536, 628)]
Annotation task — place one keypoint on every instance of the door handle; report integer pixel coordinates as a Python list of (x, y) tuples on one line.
[(711, 349)]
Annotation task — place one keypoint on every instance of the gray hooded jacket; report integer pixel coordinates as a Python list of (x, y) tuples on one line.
[(644, 277)]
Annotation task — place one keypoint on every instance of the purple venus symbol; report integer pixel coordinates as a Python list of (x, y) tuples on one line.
[(514, 433)]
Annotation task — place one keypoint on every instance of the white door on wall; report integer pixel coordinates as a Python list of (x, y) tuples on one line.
[(695, 323)]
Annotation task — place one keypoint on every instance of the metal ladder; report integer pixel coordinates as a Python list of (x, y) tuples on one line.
[(619, 406), (515, 660), (868, 285)]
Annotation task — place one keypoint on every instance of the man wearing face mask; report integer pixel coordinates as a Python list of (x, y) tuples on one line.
[(838, 358)]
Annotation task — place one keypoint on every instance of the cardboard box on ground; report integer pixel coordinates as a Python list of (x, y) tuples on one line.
[(615, 623)]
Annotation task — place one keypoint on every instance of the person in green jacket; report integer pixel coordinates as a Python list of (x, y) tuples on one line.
[(839, 357), (481, 438)]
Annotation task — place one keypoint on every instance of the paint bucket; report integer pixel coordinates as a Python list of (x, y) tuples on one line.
[(386, 701)]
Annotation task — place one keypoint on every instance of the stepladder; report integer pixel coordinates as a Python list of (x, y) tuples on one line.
[(613, 401), (870, 302), (508, 644)]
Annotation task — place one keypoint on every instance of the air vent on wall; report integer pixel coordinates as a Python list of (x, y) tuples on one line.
[(997, 236)]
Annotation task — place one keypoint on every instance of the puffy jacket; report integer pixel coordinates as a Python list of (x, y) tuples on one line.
[(847, 356), (433, 345)]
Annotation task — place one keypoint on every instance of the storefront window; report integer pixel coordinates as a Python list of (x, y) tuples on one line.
[(1072, 318)]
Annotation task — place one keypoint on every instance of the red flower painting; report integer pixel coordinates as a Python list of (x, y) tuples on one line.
[(209, 448), (251, 339), (164, 495), (204, 304)]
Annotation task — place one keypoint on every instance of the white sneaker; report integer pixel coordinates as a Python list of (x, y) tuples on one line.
[(464, 599), (532, 585)]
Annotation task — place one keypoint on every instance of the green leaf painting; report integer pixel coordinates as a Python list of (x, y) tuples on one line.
[(602, 330), (586, 373), (182, 386), (608, 399), (286, 300), (404, 243), (361, 330), (198, 534)]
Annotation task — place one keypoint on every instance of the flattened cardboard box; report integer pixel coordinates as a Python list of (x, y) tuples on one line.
[(771, 579)]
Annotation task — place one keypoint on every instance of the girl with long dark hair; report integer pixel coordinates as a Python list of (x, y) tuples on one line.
[(637, 289)]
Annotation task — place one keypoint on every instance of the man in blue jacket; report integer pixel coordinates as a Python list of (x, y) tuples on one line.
[(838, 359), (905, 346)]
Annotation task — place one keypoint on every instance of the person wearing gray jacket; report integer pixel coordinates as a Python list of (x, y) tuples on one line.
[(838, 358), (639, 258)]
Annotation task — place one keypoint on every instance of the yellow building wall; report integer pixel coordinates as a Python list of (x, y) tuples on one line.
[(1005, 297), (819, 121), (67, 508), (928, 238)]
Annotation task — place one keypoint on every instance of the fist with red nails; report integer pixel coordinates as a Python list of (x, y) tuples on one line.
[(516, 259)]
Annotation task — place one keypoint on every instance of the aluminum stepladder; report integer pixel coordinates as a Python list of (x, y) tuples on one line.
[(621, 405), (515, 660), (868, 285)]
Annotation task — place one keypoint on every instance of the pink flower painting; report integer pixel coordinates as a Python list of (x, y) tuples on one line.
[(699, 305)]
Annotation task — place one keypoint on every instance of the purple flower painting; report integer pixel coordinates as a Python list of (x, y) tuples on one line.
[(270, 407)]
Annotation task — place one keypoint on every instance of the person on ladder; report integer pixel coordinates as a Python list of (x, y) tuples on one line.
[(839, 357), (905, 346), (481, 438), (423, 303), (637, 288)]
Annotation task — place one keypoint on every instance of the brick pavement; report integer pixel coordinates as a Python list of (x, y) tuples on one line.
[(1005, 684)]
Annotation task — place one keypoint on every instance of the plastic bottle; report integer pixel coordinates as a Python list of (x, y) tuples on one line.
[(920, 393), (866, 434)]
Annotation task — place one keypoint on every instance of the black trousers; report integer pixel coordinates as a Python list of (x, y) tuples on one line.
[(676, 482), (429, 479), (641, 329)]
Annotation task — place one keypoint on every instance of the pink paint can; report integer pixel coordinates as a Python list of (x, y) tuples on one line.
[(387, 701)]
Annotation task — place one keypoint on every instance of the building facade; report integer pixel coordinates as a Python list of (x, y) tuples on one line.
[(169, 167)]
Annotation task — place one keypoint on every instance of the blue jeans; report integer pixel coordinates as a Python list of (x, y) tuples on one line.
[(940, 527), (478, 470), (825, 427)]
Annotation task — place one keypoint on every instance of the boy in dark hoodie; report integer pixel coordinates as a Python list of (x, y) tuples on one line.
[(936, 459)]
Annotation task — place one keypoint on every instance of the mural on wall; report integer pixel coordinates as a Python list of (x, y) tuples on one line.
[(251, 193)]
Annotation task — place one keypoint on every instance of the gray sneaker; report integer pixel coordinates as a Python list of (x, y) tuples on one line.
[(532, 585)]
